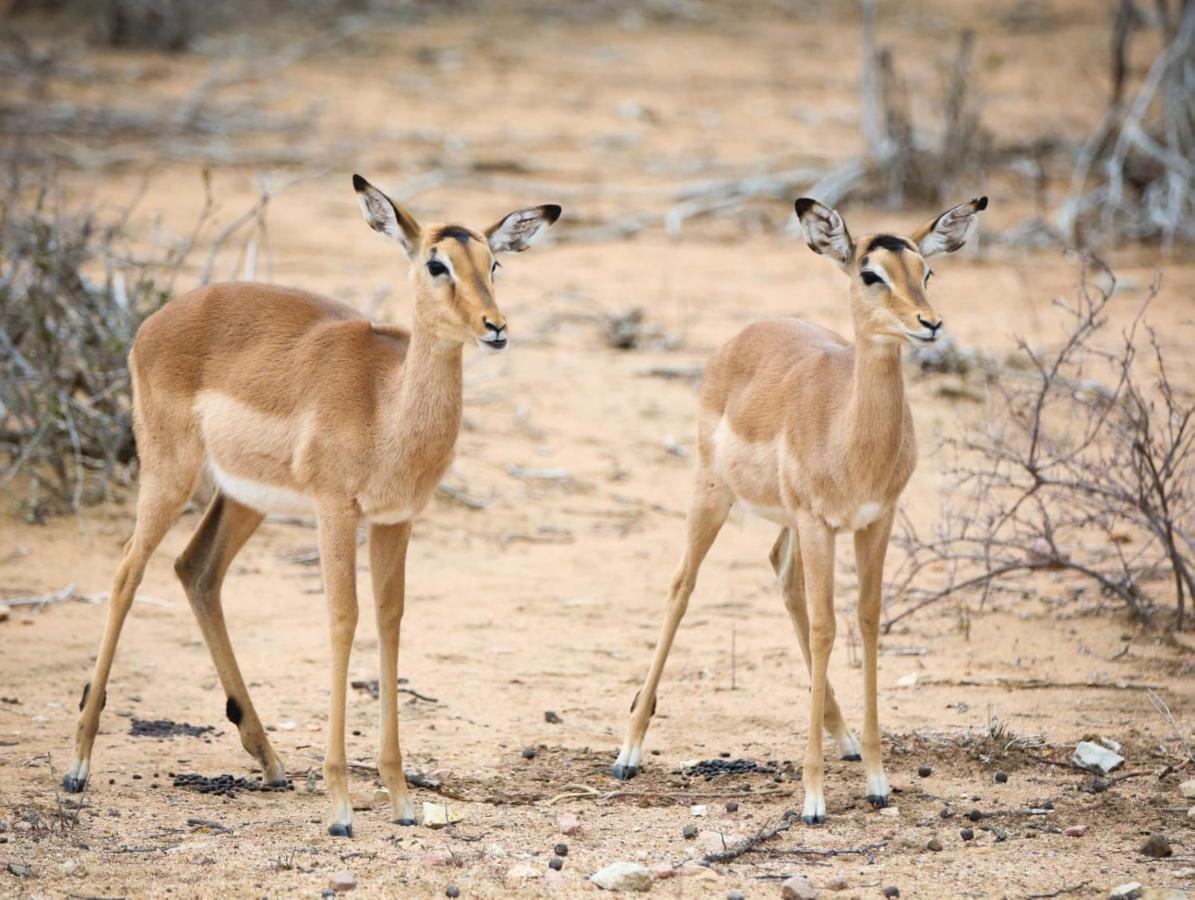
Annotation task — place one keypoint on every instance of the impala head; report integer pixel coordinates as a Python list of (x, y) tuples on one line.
[(890, 274), (453, 267)]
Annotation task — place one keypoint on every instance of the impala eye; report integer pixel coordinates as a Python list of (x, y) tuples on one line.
[(494, 269), (927, 275), (870, 278), (436, 268)]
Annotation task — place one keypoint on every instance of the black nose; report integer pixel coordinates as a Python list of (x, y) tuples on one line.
[(497, 336), (928, 324)]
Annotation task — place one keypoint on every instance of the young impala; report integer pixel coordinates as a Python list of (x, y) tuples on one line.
[(298, 402), (814, 433)]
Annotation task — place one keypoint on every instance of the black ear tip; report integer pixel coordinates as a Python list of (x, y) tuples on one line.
[(982, 203), (552, 212), (803, 205), (359, 183)]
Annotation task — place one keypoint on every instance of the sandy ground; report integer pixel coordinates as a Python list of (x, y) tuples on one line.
[(549, 598)]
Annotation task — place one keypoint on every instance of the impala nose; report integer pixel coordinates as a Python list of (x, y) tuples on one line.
[(495, 337), (932, 326)]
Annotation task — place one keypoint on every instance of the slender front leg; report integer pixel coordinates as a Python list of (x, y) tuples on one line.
[(388, 564), (871, 544), (711, 505), (338, 558), (817, 553)]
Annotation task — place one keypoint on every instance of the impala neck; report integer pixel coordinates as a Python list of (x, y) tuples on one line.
[(430, 396), (875, 412)]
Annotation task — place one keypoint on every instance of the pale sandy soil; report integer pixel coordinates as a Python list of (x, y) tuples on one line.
[(549, 598)]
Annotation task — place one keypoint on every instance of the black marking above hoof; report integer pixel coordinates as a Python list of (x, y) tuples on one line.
[(877, 800), (336, 829), (851, 757), (73, 785), (279, 783), (232, 709), (813, 820), (83, 699), (624, 773), (405, 822)]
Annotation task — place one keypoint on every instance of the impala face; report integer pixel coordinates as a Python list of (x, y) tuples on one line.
[(453, 267), (890, 274)]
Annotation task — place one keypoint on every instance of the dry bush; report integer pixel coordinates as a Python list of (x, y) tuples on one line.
[(1084, 465)]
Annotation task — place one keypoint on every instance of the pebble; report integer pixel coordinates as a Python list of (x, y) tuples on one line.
[(967, 834), (552, 718), (342, 881), (529, 752), (892, 812), (1096, 758), (689, 831), (1157, 847), (19, 870), (523, 871), (556, 863), (945, 812), (732, 806), (892, 891), (1001, 777), (623, 876), (568, 824), (698, 810), (452, 891), (934, 845), (1075, 831), (734, 895), (560, 849), (1126, 891), (798, 887), (837, 884), (925, 770), (437, 815), (1187, 789)]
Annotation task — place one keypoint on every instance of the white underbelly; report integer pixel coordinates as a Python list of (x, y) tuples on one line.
[(266, 498)]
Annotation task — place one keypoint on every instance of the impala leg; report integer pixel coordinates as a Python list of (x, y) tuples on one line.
[(817, 551), (160, 500), (786, 561), (223, 531), (387, 564), (338, 559), (871, 545), (711, 504)]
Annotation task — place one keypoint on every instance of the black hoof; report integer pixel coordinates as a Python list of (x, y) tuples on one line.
[(852, 757), (338, 830), (813, 820), (405, 822), (73, 785), (879, 802), (624, 773), (280, 783)]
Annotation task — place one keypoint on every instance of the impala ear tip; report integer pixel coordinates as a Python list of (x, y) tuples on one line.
[(981, 204), (552, 212), (359, 183), (803, 205)]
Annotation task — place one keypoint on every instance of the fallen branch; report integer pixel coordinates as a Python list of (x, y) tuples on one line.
[(749, 844)]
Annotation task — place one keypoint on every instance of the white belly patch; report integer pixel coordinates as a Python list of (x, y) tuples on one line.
[(865, 515), (267, 498)]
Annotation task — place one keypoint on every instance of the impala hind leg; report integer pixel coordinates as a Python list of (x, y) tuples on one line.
[(388, 566), (817, 553), (223, 531), (161, 498), (871, 545), (711, 504), (338, 559), (786, 561)]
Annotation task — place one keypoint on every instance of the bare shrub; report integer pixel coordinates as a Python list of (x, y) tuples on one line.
[(1083, 465)]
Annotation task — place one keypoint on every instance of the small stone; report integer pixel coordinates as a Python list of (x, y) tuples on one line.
[(689, 831), (1096, 758), (945, 813), (438, 815), (552, 718), (1001, 777), (342, 881), (1187, 789), (452, 891), (892, 891), (19, 870), (732, 806), (522, 871), (1128, 891), (362, 800), (734, 895), (556, 863), (967, 834), (1157, 847), (529, 752), (1075, 831), (560, 849), (69, 867), (925, 770), (837, 884), (892, 812), (623, 876), (798, 887), (934, 845), (381, 796), (698, 810), (568, 824)]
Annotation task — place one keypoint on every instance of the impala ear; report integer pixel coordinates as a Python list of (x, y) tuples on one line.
[(825, 231), (522, 228), (385, 216), (951, 230)]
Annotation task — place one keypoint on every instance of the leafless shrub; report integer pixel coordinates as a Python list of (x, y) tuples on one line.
[(1084, 465)]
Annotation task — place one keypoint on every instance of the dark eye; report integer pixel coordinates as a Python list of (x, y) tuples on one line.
[(870, 278), (436, 268), (494, 269), (927, 275)]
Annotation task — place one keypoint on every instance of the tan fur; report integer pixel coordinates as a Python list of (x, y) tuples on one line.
[(293, 399), (813, 432)]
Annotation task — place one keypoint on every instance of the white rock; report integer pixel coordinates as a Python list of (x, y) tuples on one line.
[(909, 680), (891, 811), (1096, 758), (698, 810), (437, 815), (1125, 891), (1187, 788), (623, 876), (523, 870), (798, 887)]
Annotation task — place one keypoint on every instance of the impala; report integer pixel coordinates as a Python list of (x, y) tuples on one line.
[(296, 402), (814, 433)]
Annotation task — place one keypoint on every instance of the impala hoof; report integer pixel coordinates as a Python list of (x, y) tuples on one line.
[(336, 829), (405, 822), (623, 772), (813, 820), (73, 785), (879, 801), (851, 757)]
